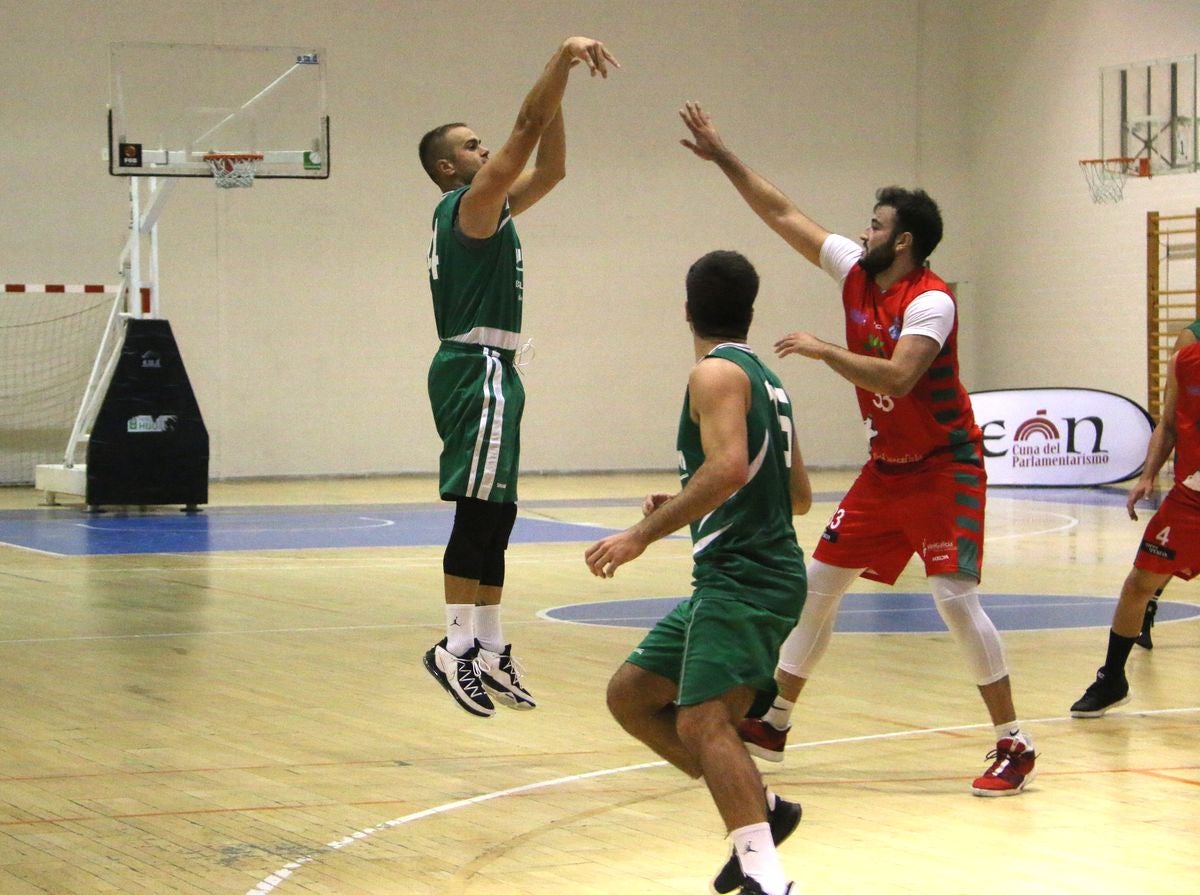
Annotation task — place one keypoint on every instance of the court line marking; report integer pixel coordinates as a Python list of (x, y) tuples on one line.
[(226, 529), (1072, 522), (274, 880)]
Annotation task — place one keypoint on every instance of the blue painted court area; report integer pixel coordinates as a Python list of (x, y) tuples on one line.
[(897, 613), (70, 532)]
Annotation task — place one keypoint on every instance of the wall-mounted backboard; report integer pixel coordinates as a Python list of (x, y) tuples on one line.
[(1148, 111)]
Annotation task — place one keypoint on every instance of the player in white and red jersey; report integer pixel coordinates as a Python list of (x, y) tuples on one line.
[(1170, 545), (923, 490)]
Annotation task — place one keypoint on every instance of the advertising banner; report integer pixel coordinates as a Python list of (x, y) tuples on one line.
[(1060, 437)]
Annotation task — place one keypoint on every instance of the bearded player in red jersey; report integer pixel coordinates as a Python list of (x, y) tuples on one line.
[(923, 489), (1171, 542)]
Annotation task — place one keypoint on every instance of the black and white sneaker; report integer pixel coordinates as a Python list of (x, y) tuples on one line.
[(1106, 692), (501, 675), (783, 820), (460, 676)]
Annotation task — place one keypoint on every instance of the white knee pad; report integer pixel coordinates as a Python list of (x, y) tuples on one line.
[(808, 641), (957, 601)]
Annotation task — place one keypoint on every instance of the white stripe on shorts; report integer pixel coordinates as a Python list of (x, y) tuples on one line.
[(493, 400)]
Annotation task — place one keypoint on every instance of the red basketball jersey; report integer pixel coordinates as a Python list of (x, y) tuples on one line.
[(937, 413), (1187, 411)]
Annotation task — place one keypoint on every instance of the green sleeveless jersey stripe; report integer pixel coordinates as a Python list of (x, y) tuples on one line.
[(746, 548), (477, 285)]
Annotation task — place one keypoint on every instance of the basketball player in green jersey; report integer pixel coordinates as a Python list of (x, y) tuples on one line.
[(476, 278), (684, 689)]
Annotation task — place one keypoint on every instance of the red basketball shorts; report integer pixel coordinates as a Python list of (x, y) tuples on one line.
[(1171, 542), (934, 510)]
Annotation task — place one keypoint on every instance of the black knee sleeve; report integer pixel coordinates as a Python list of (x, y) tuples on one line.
[(478, 525), (493, 559)]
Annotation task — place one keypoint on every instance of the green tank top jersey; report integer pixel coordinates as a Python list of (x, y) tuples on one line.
[(476, 283), (1195, 328), (746, 548)]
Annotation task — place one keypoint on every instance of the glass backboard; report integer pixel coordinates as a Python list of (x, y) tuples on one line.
[(1148, 111), (171, 104)]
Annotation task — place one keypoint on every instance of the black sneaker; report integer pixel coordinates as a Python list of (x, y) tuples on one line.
[(460, 676), (1105, 693), (751, 887), (1144, 640), (784, 819)]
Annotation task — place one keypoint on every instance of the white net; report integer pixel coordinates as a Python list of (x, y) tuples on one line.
[(1106, 178), (231, 171), (48, 343)]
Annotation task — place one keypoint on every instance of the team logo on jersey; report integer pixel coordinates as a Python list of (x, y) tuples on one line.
[(894, 330), (872, 344)]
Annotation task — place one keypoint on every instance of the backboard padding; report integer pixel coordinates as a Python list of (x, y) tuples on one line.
[(170, 104)]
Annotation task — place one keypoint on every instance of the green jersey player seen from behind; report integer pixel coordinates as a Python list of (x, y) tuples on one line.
[(690, 680), (747, 546)]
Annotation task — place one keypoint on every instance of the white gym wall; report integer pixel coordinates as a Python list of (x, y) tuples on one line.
[(302, 309)]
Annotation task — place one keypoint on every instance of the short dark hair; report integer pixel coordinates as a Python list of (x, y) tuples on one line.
[(721, 288), (917, 214), (433, 147)]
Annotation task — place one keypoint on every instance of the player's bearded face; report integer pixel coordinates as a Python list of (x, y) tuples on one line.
[(878, 258)]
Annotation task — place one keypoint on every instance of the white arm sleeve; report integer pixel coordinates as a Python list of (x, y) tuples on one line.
[(838, 255), (929, 314)]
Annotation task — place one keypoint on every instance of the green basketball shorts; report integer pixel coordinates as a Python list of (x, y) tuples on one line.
[(477, 400), (709, 645)]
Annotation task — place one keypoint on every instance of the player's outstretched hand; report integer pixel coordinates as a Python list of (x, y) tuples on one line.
[(805, 344), (591, 53), (706, 142)]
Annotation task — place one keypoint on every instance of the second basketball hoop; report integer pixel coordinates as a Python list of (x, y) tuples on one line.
[(1106, 176)]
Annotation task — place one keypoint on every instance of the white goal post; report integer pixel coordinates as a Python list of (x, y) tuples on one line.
[(49, 334)]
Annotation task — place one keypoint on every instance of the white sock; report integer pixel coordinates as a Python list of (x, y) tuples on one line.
[(488, 630), (780, 713), (756, 853), (460, 627), (1012, 730)]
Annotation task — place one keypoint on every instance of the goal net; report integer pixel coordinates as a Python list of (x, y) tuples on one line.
[(48, 345)]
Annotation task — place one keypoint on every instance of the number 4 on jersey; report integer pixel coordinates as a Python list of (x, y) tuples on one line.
[(432, 259)]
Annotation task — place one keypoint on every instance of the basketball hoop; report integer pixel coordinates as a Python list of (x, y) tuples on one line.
[(1106, 176), (233, 169)]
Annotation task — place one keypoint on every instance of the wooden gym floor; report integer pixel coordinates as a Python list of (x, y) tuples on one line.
[(258, 721)]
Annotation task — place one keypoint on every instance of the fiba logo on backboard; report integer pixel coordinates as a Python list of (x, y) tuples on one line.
[(1057, 437)]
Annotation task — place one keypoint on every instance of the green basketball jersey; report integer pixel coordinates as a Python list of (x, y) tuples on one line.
[(476, 283), (746, 548)]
